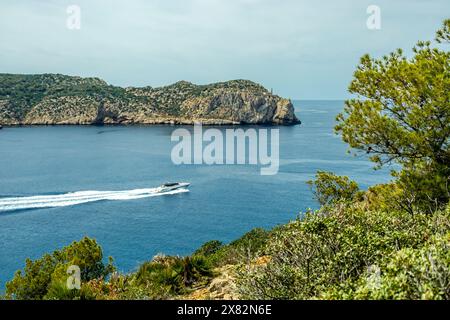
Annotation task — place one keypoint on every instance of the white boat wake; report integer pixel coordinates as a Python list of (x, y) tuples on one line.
[(80, 197)]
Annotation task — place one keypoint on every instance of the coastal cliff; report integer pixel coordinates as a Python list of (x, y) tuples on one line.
[(54, 99)]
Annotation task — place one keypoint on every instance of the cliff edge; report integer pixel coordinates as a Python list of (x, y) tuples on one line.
[(52, 99)]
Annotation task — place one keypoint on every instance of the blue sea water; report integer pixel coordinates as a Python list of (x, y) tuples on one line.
[(224, 202)]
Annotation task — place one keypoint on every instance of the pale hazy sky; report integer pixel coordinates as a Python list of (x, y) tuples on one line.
[(305, 49)]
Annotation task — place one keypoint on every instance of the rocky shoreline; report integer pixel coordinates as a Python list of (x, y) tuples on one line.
[(51, 99)]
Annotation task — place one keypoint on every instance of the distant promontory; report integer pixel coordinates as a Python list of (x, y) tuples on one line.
[(55, 99)]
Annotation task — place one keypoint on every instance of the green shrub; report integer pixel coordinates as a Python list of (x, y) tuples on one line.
[(165, 276), (389, 196), (46, 278), (329, 188), (324, 249), (209, 248), (244, 249), (407, 274)]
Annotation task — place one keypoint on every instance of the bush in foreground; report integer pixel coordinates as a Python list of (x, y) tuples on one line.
[(46, 278), (315, 255)]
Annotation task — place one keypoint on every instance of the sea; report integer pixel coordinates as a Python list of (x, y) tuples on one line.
[(61, 183)]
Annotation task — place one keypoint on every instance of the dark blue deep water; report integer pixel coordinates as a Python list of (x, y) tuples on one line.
[(224, 202)]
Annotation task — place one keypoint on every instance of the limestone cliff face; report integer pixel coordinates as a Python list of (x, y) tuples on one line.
[(59, 99)]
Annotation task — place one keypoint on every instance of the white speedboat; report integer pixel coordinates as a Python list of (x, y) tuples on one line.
[(173, 186)]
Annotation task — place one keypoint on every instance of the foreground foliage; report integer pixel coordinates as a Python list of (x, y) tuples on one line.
[(351, 252), (46, 278)]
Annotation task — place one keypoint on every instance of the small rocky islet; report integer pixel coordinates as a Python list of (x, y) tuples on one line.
[(55, 99)]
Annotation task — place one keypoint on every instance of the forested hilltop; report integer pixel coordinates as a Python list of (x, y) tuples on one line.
[(391, 241), (60, 99)]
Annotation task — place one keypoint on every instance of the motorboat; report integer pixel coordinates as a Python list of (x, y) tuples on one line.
[(173, 186)]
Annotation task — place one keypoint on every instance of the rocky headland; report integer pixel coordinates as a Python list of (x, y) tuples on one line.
[(55, 99)]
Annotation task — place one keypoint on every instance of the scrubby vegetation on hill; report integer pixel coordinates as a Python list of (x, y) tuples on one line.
[(347, 251), (355, 250)]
